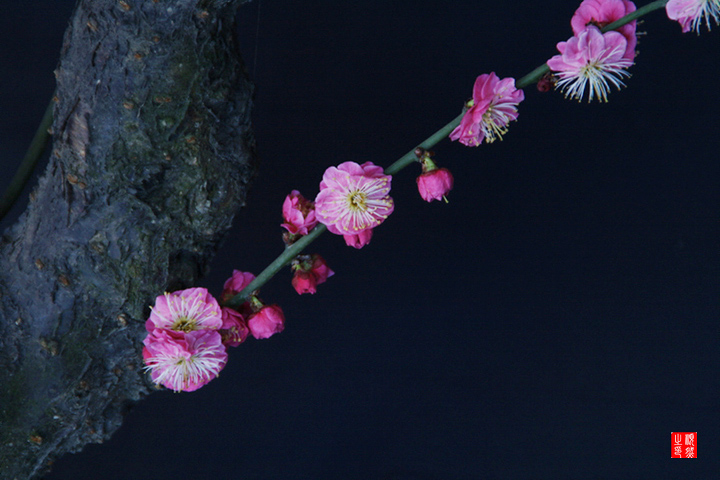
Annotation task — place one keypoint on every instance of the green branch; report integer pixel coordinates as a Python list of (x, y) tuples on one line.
[(295, 249), (644, 10), (24, 171), (285, 258)]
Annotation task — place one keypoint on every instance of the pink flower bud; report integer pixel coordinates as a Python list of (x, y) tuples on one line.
[(268, 321), (304, 282), (435, 184), (320, 269), (546, 83), (309, 273), (299, 214), (234, 285)]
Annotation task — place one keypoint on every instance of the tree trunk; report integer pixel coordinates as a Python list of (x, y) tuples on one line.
[(152, 156)]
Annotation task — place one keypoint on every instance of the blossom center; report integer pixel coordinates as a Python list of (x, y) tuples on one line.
[(494, 124), (357, 200), (184, 324), (590, 69)]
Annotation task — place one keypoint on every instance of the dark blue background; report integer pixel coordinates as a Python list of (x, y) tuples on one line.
[(556, 320)]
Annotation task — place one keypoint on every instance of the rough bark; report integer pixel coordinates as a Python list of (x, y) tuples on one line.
[(151, 158)]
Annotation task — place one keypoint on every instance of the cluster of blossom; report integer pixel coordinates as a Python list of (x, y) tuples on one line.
[(589, 61), (353, 200), (189, 331)]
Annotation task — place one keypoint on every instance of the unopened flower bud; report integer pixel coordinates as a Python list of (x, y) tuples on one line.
[(310, 271), (266, 322), (299, 214)]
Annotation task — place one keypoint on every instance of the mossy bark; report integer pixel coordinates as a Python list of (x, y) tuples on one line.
[(151, 158)]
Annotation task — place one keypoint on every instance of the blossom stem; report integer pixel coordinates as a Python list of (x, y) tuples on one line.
[(24, 171), (644, 10), (532, 77), (281, 261), (429, 142), (296, 248)]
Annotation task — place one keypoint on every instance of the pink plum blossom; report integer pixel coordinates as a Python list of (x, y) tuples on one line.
[(604, 12), (309, 273), (299, 214), (235, 284), (184, 361), (186, 311), (492, 108), (360, 240), (353, 198), (266, 322), (591, 60), (691, 13), (435, 184), (234, 330)]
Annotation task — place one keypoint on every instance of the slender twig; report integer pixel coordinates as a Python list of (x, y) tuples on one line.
[(283, 259), (644, 10), (25, 170)]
